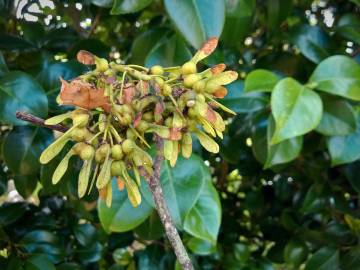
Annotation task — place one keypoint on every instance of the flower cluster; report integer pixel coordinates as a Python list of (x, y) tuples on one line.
[(116, 105)]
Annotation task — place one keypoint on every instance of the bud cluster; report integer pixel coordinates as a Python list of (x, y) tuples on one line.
[(116, 105)]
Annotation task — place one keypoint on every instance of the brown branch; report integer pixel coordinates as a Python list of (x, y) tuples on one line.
[(163, 211), (38, 121), (155, 188)]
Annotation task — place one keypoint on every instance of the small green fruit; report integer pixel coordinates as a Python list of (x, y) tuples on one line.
[(157, 70), (128, 146), (102, 64), (80, 134), (191, 79), (142, 126), (87, 152), (116, 168), (116, 152), (188, 68), (199, 86), (166, 90), (81, 120)]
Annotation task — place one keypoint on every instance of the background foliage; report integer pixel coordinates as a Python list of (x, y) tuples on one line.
[(286, 184)]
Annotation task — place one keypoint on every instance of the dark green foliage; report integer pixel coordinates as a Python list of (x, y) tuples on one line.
[(282, 194)]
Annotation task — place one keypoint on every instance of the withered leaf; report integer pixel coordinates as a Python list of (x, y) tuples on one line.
[(85, 57), (83, 94)]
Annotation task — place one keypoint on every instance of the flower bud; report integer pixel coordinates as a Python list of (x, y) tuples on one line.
[(102, 152), (116, 168), (157, 70), (116, 152), (80, 120), (166, 90), (191, 79), (127, 146), (142, 126), (101, 64), (188, 68), (80, 134), (87, 152), (199, 86)]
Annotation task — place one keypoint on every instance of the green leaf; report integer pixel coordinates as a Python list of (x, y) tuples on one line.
[(283, 152), (15, 89), (144, 43), (89, 254), (351, 173), (314, 199), (295, 253), (49, 76), (10, 213), (11, 43), (344, 149), (296, 110), (325, 258), (277, 12), (200, 246), (312, 42), (197, 21), (241, 102), (128, 6), (348, 27), (85, 234), (203, 220), (181, 185), (239, 14), (260, 80), (168, 52), (28, 142), (122, 216), (3, 67), (43, 242), (39, 262), (102, 3), (151, 229), (338, 75), (338, 118), (25, 184)]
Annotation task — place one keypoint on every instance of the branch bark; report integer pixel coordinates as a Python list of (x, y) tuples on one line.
[(38, 121), (163, 210), (155, 188)]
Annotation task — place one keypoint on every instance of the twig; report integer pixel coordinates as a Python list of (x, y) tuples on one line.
[(38, 121), (163, 211), (156, 190)]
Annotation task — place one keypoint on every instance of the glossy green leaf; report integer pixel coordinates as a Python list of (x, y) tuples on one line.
[(128, 6), (144, 43), (151, 229), (49, 76), (25, 184), (168, 52), (197, 21), (203, 220), (296, 110), (239, 14), (344, 149), (10, 213), (15, 89), (3, 67), (122, 216), (29, 142), (338, 75), (312, 42), (277, 12), (85, 234), (260, 80), (43, 242), (12, 42), (200, 246), (338, 118), (241, 102), (314, 199), (39, 262), (89, 254), (102, 3), (325, 258), (181, 185), (283, 152), (348, 27), (295, 253)]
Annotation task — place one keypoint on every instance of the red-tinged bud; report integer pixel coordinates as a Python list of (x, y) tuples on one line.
[(85, 57)]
